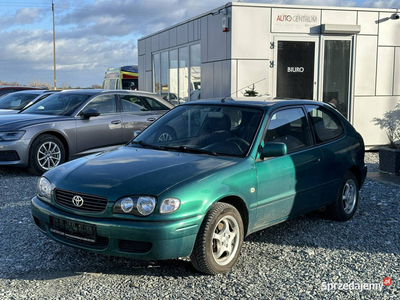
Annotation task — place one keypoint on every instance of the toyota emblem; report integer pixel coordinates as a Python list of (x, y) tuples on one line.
[(77, 201)]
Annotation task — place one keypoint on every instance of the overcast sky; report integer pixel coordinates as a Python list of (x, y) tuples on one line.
[(93, 35)]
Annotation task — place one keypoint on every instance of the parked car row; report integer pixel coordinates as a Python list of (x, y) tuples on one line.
[(43, 132)]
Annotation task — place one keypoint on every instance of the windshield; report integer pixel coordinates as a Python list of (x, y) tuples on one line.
[(207, 129), (62, 104), (16, 101)]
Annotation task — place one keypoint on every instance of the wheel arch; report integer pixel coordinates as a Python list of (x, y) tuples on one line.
[(241, 207), (356, 171), (58, 135)]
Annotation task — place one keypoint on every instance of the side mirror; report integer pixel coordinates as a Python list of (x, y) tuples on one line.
[(273, 150), (91, 112), (136, 133)]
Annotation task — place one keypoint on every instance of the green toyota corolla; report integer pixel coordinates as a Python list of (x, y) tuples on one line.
[(220, 171)]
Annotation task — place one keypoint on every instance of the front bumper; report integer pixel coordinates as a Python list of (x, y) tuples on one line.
[(14, 153), (136, 239)]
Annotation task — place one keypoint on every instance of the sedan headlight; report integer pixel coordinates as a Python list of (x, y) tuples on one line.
[(138, 206), (169, 205), (11, 135), (44, 189)]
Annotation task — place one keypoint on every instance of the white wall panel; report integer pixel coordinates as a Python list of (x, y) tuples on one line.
[(396, 88), (250, 41), (190, 31), (251, 71), (196, 25), (389, 30), (149, 81), (365, 110), (365, 73), (164, 39), (287, 20), (155, 43), (182, 34), (218, 75), (204, 39), (226, 78), (233, 76), (217, 40), (367, 20), (385, 72), (148, 55), (207, 80), (339, 17), (172, 37), (142, 73), (142, 47)]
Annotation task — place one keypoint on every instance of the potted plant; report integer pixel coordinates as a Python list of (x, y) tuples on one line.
[(389, 156)]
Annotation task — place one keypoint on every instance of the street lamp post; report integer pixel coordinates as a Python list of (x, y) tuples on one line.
[(54, 47)]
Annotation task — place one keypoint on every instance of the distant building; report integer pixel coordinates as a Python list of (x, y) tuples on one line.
[(349, 56)]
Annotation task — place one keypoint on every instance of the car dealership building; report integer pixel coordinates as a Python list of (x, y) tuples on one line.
[(346, 56)]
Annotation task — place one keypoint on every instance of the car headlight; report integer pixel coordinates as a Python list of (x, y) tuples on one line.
[(169, 205), (11, 135), (44, 189), (138, 206)]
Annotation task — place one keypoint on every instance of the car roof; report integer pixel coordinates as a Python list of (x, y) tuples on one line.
[(38, 92), (262, 102), (22, 87)]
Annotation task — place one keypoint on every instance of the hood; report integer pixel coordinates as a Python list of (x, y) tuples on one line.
[(8, 111), (132, 171), (19, 121)]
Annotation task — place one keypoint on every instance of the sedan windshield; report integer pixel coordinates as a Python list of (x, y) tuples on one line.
[(16, 101), (204, 129), (62, 104)]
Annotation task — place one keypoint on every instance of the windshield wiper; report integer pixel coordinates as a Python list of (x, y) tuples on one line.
[(141, 143), (192, 150)]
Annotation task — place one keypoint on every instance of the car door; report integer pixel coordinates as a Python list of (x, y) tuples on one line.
[(138, 112), (103, 130), (290, 184)]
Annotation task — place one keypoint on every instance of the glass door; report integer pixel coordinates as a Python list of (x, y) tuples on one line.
[(296, 67), (336, 79)]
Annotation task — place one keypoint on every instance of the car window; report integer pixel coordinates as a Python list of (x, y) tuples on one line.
[(325, 124), (16, 101), (6, 91), (132, 103), (155, 105), (104, 104), (289, 126)]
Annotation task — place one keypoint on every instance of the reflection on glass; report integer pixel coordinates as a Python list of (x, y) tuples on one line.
[(337, 74), (195, 71), (183, 73), (173, 77), (156, 72), (164, 72)]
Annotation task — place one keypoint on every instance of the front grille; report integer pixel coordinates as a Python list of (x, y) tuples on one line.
[(134, 246), (9, 156), (91, 203)]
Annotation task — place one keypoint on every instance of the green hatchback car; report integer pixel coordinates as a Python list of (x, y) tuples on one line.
[(225, 169)]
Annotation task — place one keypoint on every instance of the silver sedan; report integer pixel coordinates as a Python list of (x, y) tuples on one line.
[(75, 123)]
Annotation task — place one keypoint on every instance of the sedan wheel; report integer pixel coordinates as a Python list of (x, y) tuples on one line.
[(345, 204), (46, 153), (219, 240)]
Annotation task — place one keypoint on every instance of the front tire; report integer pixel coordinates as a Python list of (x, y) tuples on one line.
[(46, 153), (219, 240), (345, 204)]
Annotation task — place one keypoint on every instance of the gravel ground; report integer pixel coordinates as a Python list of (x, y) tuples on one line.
[(291, 260)]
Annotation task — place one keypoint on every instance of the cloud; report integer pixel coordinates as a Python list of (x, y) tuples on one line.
[(22, 17), (382, 3)]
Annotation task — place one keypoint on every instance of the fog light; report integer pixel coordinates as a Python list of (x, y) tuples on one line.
[(127, 205), (146, 205), (169, 205)]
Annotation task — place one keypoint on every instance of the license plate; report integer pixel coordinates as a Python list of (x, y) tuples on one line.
[(73, 230)]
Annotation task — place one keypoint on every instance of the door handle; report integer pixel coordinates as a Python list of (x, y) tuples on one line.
[(116, 122), (316, 160), (151, 119)]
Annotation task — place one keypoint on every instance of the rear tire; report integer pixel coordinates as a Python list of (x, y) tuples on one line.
[(345, 204), (219, 240), (46, 153)]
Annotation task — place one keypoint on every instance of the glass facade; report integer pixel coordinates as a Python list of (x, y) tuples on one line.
[(177, 74), (337, 74)]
